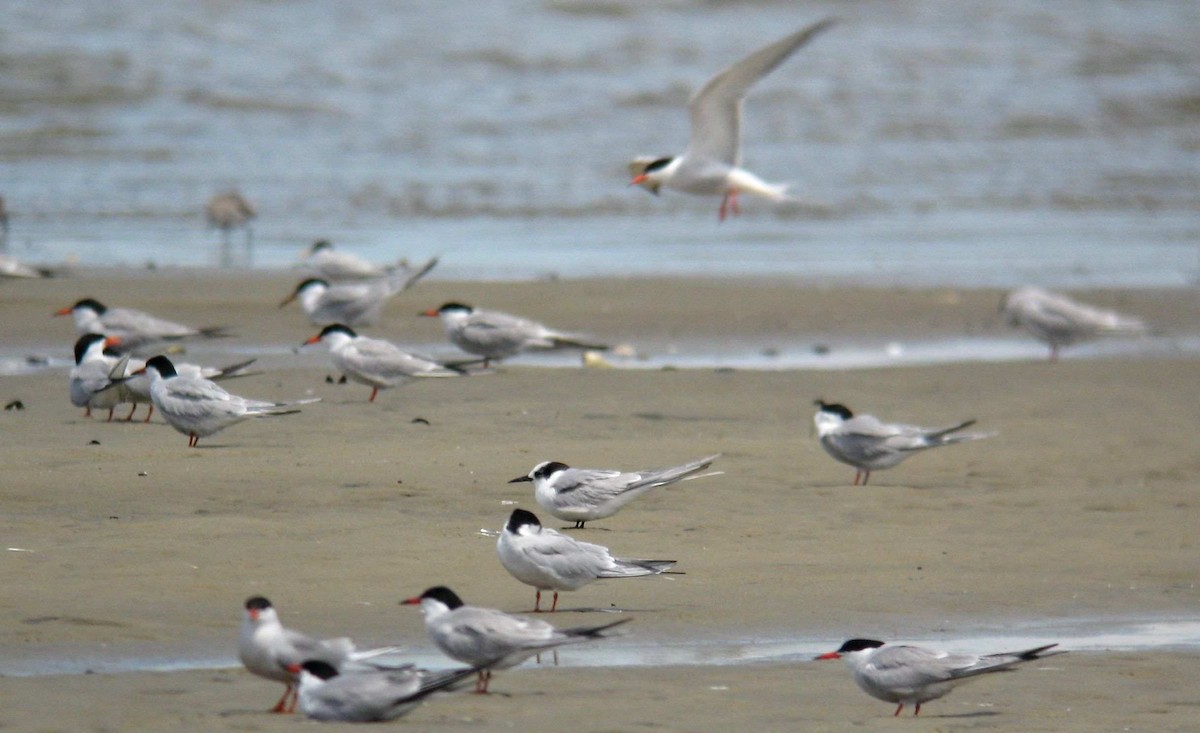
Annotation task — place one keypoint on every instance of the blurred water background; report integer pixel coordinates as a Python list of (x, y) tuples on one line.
[(932, 142)]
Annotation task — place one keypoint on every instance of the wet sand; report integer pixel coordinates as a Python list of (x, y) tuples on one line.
[(1083, 506)]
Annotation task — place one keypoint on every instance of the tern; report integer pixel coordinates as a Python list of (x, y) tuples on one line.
[(10, 267), (377, 363), (94, 380), (711, 163), (267, 648), (548, 560), (871, 445), (353, 303), (134, 328), (333, 265), (496, 335), (137, 386), (368, 696), (911, 675), (488, 639), (198, 407), (1058, 321), (582, 495)]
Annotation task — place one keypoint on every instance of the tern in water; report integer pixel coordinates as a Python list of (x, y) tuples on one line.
[(488, 639), (711, 163), (267, 648), (134, 328), (585, 494), (1058, 321), (377, 363), (548, 560), (496, 335), (198, 407), (369, 696), (868, 444), (353, 303), (911, 675)]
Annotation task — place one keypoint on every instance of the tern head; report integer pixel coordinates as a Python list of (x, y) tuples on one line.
[(319, 245), (312, 282), (160, 364), (258, 608), (435, 601), (87, 304), (523, 522), (829, 416), (337, 332), (852, 648), (315, 667), (650, 174), (90, 341), (542, 471), (449, 309)]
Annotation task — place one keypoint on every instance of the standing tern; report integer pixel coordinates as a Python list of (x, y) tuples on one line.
[(1059, 321), (353, 303), (547, 560), (10, 267), (582, 495), (368, 696), (496, 335), (267, 648), (711, 163), (871, 445), (135, 328), (334, 265), (198, 407), (911, 675), (94, 380), (488, 639), (137, 385), (375, 362)]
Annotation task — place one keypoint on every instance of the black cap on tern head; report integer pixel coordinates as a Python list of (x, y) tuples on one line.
[(324, 670), (163, 365), (521, 518), (257, 603), (858, 645), (835, 408), (311, 281), (545, 470), (84, 343), (445, 595), (452, 306), (319, 245), (90, 303), (658, 164), (337, 328)]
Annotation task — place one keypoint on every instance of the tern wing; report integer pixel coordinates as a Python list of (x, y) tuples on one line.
[(716, 109)]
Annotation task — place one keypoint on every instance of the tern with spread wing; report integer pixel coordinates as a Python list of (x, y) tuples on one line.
[(1059, 321), (353, 303), (267, 648), (548, 560), (711, 163), (869, 444), (488, 639), (911, 675), (582, 495)]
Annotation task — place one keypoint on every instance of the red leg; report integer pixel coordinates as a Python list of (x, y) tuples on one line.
[(130, 415), (537, 602), (733, 202), (87, 411), (866, 477), (281, 706), (724, 207), (898, 709), (857, 477), (917, 711), (554, 606), (110, 412), (295, 699), (374, 391)]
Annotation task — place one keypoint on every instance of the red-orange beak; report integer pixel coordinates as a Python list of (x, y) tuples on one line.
[(312, 340), (293, 668), (639, 178), (829, 655), (414, 601), (430, 312), (63, 312)]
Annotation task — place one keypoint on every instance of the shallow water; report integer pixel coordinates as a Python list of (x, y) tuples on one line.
[(968, 143)]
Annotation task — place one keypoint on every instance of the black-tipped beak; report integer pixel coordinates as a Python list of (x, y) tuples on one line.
[(519, 479)]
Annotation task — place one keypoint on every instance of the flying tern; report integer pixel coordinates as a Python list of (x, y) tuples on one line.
[(711, 163), (368, 696), (548, 560), (1058, 321), (488, 639), (267, 648), (496, 335), (585, 494), (868, 444), (911, 675), (135, 328), (198, 407), (353, 303), (377, 363)]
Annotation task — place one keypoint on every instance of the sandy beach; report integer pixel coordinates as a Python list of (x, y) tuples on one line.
[(1082, 507)]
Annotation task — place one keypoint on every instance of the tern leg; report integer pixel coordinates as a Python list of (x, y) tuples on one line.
[(1053, 352), (857, 477), (148, 414), (724, 207), (579, 524), (87, 411), (554, 605), (898, 709), (193, 439), (733, 202), (917, 711), (281, 706), (110, 412), (866, 477), (374, 391), (537, 601), (481, 684), (295, 699), (130, 415)]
